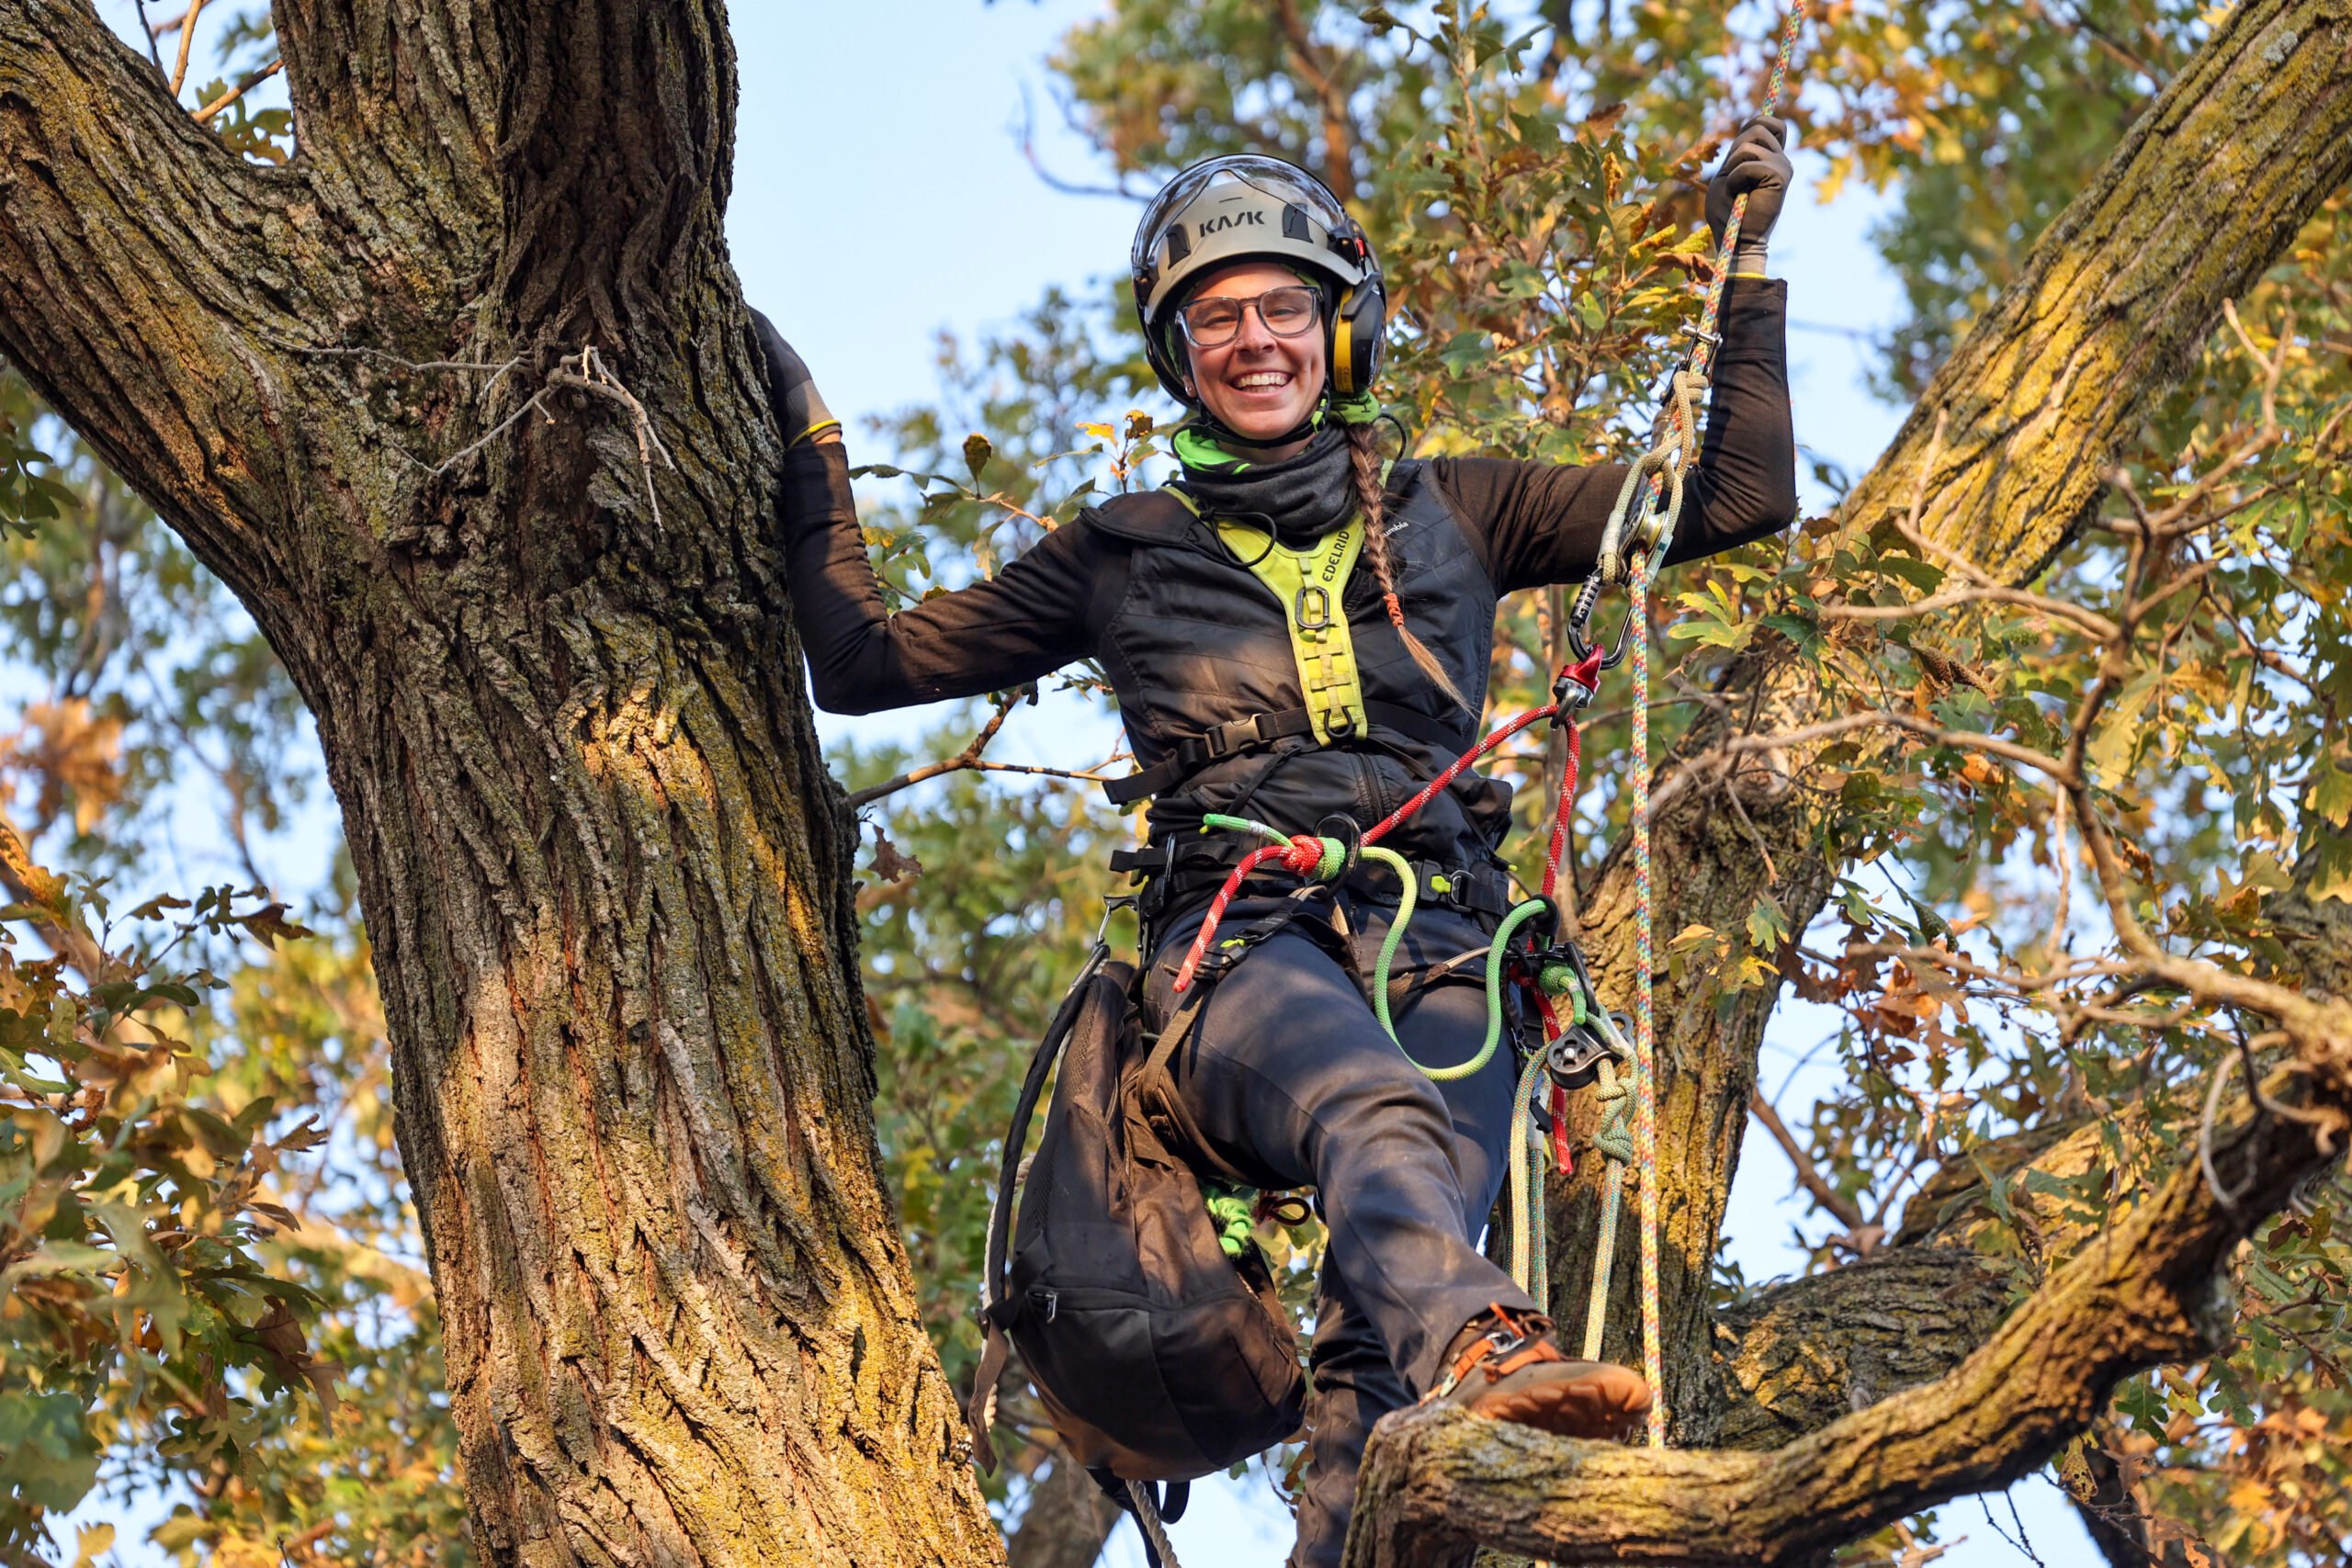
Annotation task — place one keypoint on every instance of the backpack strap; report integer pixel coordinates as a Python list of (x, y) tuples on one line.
[(995, 1311), (1152, 1095), (1143, 517)]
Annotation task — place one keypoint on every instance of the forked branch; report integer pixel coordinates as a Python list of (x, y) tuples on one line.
[(2144, 1293)]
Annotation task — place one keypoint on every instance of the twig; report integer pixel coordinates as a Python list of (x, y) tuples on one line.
[(154, 53), (2222, 1194), (362, 350), (2025, 1541), (1842, 1208), (1908, 526), (1730, 793), (2090, 621), (497, 372), (2054, 947), (968, 760), (1028, 139), (592, 377), (446, 464), (187, 37), (239, 91)]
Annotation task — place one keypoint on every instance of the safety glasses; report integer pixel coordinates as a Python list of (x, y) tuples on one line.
[(1287, 312)]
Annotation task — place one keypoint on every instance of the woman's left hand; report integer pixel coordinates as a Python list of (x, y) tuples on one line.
[(1758, 168)]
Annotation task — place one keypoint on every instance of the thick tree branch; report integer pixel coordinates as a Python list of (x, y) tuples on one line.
[(2209, 183), (2145, 1291), (135, 255), (1797, 1357)]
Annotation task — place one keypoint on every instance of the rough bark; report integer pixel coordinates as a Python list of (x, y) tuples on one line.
[(2146, 1291), (2207, 188), (1801, 1355), (603, 866)]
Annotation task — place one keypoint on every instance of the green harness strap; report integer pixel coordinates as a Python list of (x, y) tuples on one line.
[(1309, 584)]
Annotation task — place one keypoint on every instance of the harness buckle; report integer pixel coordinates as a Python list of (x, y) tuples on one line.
[(1222, 740), (1322, 613)]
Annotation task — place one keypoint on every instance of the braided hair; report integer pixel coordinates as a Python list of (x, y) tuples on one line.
[(1364, 453)]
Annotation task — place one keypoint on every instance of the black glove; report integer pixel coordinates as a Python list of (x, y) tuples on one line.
[(1756, 166), (800, 412)]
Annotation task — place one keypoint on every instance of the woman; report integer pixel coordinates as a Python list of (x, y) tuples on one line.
[(1292, 637)]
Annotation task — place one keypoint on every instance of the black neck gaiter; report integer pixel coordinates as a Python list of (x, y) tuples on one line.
[(1301, 498)]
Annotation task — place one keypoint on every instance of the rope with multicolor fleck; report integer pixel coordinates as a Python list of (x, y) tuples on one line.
[(1645, 1036)]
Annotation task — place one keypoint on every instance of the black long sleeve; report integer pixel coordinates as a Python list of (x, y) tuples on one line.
[(1026, 622), (1535, 522), (1542, 523)]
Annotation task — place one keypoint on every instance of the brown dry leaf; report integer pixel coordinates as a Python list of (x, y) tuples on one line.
[(889, 863), (70, 750), (268, 923), (289, 1354)]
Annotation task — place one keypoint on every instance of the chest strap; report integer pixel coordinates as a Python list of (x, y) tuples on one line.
[(1194, 752), (1308, 585)]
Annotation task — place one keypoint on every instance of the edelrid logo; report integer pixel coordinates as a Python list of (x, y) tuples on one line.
[(1230, 221)]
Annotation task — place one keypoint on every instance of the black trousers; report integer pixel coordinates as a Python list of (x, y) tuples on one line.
[(1294, 1083)]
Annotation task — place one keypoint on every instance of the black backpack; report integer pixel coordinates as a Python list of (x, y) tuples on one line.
[(1157, 1357)]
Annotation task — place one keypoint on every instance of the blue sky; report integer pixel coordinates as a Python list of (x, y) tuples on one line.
[(881, 196)]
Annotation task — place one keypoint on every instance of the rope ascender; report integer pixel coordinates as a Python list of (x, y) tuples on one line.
[(1588, 1046)]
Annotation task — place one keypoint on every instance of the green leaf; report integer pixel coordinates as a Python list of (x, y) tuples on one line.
[(1925, 576), (1713, 634), (1804, 633), (2332, 790), (1767, 924), (1931, 925), (1466, 351), (47, 1455)]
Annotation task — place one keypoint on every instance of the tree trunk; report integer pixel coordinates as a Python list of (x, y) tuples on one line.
[(2207, 190), (1066, 1523), (603, 866)]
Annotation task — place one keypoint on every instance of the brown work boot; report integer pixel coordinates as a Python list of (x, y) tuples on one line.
[(1505, 1365)]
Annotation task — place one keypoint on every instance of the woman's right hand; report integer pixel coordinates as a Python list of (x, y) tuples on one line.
[(800, 412)]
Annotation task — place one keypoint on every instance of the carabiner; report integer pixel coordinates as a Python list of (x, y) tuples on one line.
[(1111, 904), (1616, 656)]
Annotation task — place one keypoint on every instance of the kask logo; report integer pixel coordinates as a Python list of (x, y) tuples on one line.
[(1230, 221)]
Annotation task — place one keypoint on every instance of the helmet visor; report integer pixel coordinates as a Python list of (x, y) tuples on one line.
[(1241, 204)]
